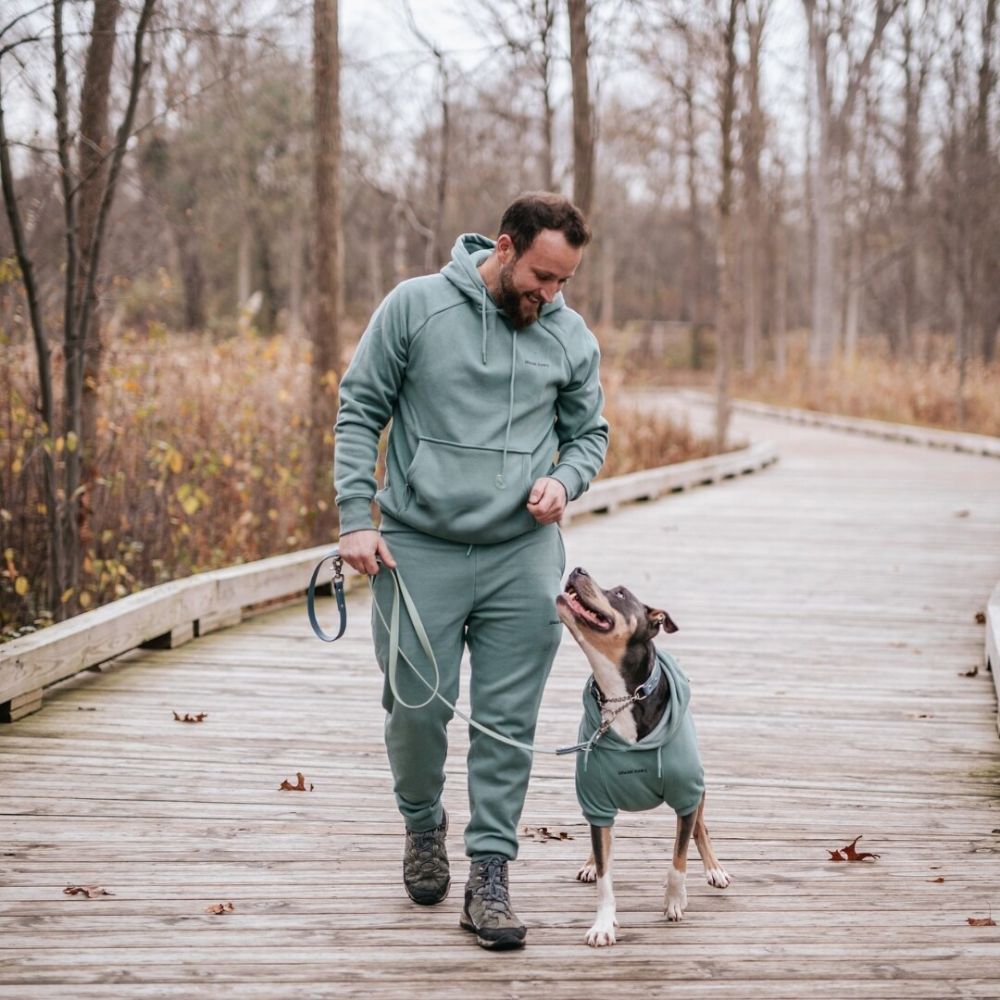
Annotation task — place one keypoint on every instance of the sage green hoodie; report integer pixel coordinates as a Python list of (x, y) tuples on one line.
[(664, 766), (479, 410)]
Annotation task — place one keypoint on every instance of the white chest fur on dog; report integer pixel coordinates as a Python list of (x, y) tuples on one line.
[(612, 684)]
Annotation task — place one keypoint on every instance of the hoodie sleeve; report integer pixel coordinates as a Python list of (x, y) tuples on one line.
[(580, 425), (368, 394)]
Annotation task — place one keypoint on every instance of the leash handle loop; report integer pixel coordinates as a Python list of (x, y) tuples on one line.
[(338, 592)]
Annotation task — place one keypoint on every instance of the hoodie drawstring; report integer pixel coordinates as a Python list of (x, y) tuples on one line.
[(482, 312), (500, 482)]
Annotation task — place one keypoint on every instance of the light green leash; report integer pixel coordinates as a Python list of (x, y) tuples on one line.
[(401, 597)]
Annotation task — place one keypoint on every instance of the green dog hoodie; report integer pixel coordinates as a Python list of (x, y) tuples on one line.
[(478, 410), (664, 766)]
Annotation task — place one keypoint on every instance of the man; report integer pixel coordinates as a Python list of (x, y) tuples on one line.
[(485, 375)]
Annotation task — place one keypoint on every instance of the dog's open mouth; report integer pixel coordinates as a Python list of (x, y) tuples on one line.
[(585, 613)]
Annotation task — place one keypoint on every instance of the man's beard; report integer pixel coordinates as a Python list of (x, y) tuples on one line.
[(520, 310)]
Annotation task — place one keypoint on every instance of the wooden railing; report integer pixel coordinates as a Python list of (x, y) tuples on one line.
[(173, 613), (973, 444), (993, 642)]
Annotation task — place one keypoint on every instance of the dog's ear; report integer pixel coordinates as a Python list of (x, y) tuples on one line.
[(660, 619)]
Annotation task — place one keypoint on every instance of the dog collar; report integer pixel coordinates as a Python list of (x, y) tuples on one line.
[(643, 691)]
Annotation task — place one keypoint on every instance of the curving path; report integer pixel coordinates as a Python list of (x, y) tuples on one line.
[(827, 609)]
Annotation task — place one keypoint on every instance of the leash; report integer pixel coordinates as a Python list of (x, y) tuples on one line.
[(401, 596)]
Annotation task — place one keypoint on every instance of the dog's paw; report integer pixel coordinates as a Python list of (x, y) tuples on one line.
[(587, 873), (602, 934), (675, 898), (718, 878)]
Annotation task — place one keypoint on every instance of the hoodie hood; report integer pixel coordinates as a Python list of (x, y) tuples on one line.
[(666, 728), (469, 251)]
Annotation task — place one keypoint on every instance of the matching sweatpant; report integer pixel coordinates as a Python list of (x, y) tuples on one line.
[(499, 600)]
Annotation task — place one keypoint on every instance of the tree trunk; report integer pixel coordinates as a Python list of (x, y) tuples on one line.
[(987, 260), (326, 359), (753, 145), (726, 255), (583, 130), (83, 378)]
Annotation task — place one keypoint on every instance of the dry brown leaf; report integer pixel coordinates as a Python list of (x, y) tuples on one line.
[(970, 673), (220, 908), (543, 833), (90, 891), (848, 853), (287, 786), (940, 878), (980, 618), (188, 717), (982, 922)]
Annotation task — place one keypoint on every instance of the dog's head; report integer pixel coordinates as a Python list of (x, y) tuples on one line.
[(608, 621)]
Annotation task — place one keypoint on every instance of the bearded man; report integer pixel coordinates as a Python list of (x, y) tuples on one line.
[(491, 384)]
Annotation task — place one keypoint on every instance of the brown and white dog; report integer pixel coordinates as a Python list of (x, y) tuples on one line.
[(632, 688)]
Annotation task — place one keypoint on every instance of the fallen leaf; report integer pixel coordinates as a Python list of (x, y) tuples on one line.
[(543, 833), (980, 618), (970, 673), (848, 853), (90, 891), (940, 878), (982, 922), (188, 717), (287, 786), (961, 513), (220, 908)]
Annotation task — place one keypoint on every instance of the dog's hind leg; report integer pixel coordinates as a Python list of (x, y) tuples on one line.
[(675, 887), (717, 875), (603, 931)]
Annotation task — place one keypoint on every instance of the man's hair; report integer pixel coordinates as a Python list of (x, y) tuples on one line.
[(530, 213)]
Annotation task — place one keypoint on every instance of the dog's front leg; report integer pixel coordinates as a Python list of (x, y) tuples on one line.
[(675, 888), (603, 931)]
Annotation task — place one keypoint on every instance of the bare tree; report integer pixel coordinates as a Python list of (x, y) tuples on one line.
[(829, 24), (583, 124), (725, 249), (88, 190), (326, 359)]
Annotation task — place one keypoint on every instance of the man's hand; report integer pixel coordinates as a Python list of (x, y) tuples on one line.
[(547, 500), (360, 548)]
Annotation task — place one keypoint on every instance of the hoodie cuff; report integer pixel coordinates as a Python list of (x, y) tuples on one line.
[(355, 515), (571, 480)]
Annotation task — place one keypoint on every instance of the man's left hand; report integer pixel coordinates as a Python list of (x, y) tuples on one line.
[(547, 500)]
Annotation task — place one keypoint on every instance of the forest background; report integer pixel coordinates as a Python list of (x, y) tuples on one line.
[(794, 200)]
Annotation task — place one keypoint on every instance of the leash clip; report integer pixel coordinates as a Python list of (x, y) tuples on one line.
[(338, 569)]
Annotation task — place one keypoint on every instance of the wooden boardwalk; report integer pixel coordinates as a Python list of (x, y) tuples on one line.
[(827, 618)]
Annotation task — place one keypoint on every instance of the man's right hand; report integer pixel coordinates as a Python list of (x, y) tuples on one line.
[(359, 550)]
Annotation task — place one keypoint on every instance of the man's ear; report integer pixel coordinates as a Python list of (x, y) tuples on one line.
[(660, 619)]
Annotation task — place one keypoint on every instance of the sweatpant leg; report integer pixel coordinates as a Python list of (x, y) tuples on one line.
[(438, 575), (513, 635)]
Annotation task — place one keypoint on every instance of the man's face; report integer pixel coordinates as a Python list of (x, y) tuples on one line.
[(536, 276)]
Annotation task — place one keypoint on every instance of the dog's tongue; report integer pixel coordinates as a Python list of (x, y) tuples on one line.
[(583, 611)]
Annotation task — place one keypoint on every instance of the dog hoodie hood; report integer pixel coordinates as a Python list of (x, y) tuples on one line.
[(664, 766)]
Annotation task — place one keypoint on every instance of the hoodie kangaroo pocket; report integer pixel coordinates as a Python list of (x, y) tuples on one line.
[(468, 494)]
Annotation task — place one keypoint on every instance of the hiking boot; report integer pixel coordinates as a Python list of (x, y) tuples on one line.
[(426, 874), (487, 911)]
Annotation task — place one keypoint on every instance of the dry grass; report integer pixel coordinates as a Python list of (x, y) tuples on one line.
[(202, 459), (921, 391)]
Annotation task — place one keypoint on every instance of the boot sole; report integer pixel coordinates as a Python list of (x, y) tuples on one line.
[(428, 899), (507, 940)]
